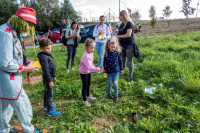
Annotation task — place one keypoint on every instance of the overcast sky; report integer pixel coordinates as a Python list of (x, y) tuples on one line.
[(94, 8)]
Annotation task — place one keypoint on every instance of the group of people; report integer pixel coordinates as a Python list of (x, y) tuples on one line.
[(112, 50)]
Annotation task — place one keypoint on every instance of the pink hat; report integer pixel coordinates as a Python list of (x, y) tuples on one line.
[(27, 14)]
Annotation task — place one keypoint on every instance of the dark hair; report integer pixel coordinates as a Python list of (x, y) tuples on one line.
[(102, 16), (74, 22), (45, 42)]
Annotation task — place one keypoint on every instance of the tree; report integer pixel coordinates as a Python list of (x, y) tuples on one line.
[(8, 8), (152, 15), (187, 9), (67, 11), (166, 13), (135, 16)]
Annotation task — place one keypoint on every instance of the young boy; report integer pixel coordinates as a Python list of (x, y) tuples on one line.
[(49, 74)]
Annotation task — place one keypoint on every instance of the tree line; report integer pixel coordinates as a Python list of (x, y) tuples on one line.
[(49, 12)]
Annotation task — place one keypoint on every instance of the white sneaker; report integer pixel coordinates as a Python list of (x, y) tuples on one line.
[(67, 70), (87, 103), (90, 98)]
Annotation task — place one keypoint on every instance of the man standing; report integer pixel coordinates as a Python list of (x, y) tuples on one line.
[(101, 33), (12, 96)]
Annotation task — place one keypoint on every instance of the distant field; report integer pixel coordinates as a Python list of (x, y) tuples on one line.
[(171, 64), (176, 25)]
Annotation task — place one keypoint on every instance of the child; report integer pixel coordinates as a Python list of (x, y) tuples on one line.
[(49, 74), (113, 66), (86, 68)]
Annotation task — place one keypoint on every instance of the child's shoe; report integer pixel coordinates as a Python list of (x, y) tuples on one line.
[(37, 130), (67, 71), (109, 97), (87, 103), (115, 99), (54, 113), (90, 98)]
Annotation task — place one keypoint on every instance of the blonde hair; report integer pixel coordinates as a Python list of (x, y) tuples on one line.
[(115, 40), (89, 43)]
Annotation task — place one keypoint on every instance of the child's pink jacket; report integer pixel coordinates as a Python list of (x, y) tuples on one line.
[(86, 65)]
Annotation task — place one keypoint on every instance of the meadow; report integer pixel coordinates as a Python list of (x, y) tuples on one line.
[(170, 64)]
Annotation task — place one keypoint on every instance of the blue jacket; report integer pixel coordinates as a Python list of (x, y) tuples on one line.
[(11, 58), (113, 62), (48, 66)]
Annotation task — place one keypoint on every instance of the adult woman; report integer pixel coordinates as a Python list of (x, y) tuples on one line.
[(127, 42), (101, 33), (72, 37)]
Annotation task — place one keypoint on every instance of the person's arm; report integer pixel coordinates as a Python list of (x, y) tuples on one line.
[(95, 31), (87, 61), (127, 35), (45, 67), (68, 34), (108, 33), (78, 35)]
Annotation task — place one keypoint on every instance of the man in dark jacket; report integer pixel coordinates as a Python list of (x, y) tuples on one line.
[(49, 74)]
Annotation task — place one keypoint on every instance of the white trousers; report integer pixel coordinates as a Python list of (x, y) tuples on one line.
[(22, 109)]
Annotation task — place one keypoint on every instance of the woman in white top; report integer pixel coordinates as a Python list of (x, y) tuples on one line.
[(72, 37), (101, 33)]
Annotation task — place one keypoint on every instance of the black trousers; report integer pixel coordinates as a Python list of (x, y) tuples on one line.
[(48, 96), (71, 53), (86, 79), (127, 59)]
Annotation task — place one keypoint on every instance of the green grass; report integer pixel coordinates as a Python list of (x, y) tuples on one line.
[(171, 64)]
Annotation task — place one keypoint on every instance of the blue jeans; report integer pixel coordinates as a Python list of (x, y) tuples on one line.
[(100, 48), (113, 80)]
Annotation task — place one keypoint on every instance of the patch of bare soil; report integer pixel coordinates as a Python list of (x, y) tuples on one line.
[(102, 123)]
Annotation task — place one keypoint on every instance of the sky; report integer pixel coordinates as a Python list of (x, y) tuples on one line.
[(95, 8)]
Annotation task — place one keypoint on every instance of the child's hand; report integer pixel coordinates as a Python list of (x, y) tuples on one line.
[(102, 70), (98, 69), (51, 84), (29, 68)]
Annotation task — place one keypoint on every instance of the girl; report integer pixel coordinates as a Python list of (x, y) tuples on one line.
[(113, 66), (72, 37), (86, 68)]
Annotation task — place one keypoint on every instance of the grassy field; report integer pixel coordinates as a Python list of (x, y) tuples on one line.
[(171, 64)]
